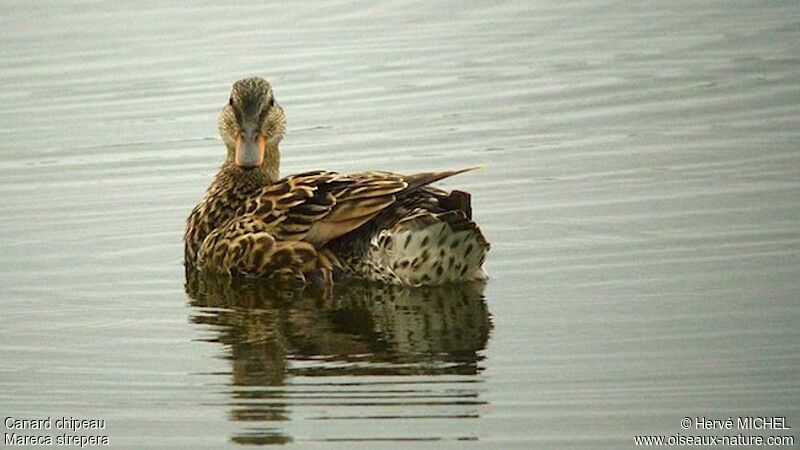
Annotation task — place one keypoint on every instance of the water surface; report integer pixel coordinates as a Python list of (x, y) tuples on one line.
[(642, 197)]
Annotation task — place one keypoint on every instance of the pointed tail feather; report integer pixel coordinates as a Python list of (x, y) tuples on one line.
[(418, 180), (457, 201)]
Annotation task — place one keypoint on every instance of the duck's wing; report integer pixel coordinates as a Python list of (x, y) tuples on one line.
[(315, 207), (287, 224), (318, 207)]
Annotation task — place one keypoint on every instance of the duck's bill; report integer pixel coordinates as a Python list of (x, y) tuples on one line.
[(250, 148)]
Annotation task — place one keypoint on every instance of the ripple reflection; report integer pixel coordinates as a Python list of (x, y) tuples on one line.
[(287, 346)]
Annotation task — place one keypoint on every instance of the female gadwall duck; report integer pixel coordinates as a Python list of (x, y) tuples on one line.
[(379, 226)]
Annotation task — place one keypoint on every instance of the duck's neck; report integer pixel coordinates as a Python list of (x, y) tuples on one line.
[(272, 162), (236, 177)]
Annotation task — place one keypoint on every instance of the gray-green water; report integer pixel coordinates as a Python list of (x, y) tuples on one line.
[(642, 195)]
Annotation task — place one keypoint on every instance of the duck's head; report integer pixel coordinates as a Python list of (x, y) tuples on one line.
[(251, 125)]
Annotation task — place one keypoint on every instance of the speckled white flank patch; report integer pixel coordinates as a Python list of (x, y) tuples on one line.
[(426, 249)]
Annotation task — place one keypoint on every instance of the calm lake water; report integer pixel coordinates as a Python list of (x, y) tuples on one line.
[(641, 193)]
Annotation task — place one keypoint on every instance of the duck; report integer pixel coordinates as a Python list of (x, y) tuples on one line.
[(377, 226)]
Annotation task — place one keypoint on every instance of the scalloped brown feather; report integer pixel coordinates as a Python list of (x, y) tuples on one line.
[(281, 228)]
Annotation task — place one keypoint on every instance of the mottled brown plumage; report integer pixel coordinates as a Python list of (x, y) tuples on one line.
[(252, 223)]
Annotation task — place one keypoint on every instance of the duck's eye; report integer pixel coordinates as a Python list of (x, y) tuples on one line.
[(271, 102), (230, 101)]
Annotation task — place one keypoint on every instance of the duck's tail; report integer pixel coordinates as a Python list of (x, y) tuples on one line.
[(418, 180), (432, 247)]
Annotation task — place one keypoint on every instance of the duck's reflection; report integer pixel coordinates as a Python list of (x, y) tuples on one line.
[(272, 334)]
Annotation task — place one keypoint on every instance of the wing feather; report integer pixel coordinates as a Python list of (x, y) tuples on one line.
[(318, 207)]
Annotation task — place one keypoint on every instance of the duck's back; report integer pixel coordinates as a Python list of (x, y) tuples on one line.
[(374, 225)]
